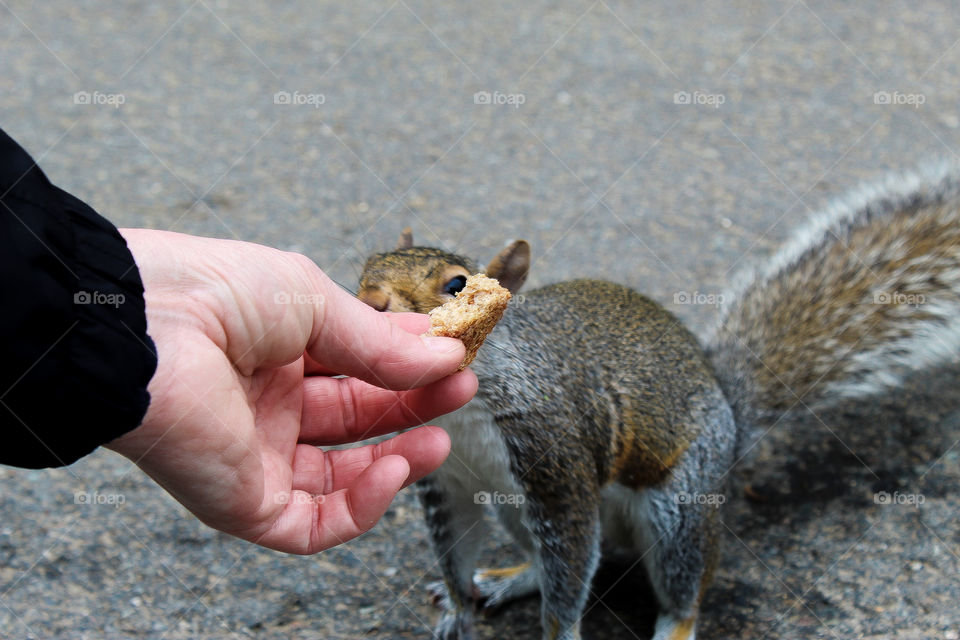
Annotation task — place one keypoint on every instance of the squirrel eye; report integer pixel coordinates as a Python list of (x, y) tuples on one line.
[(455, 285)]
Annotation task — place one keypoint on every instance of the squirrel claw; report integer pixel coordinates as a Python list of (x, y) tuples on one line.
[(439, 596)]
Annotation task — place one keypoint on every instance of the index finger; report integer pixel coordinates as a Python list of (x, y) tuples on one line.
[(347, 410)]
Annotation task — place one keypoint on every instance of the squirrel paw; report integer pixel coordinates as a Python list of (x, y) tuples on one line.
[(670, 627), (454, 626), (497, 587)]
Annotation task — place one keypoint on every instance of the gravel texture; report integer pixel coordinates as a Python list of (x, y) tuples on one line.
[(664, 145)]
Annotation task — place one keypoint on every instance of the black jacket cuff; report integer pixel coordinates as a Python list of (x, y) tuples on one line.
[(75, 358)]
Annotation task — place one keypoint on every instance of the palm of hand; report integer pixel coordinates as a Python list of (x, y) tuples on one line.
[(234, 420)]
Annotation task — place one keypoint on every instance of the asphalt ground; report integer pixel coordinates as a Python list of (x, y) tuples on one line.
[(659, 144)]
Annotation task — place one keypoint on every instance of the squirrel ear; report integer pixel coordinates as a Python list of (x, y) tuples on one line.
[(406, 238), (511, 265)]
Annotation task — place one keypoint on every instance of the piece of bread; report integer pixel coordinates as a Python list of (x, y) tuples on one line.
[(471, 315)]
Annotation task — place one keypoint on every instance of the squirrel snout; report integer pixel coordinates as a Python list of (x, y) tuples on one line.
[(375, 298)]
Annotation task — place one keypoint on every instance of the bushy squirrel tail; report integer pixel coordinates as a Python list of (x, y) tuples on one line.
[(868, 293)]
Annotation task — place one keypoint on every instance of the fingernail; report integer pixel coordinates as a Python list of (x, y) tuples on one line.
[(440, 344)]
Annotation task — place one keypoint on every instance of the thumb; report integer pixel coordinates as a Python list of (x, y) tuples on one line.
[(351, 338)]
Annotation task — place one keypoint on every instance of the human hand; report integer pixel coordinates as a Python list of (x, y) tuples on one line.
[(248, 339)]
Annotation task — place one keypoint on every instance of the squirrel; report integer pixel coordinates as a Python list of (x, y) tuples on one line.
[(601, 420)]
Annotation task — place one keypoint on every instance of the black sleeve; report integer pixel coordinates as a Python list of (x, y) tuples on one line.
[(75, 357)]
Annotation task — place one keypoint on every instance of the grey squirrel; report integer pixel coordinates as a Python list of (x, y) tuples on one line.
[(601, 421)]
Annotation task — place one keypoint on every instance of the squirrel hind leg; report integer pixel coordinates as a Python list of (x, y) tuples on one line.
[(678, 556), (676, 536)]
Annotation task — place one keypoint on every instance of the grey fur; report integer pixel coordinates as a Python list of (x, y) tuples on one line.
[(779, 347), (606, 421)]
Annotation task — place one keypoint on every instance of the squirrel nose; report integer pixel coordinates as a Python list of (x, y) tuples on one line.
[(376, 299)]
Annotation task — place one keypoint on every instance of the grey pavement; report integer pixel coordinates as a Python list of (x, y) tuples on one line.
[(664, 145)]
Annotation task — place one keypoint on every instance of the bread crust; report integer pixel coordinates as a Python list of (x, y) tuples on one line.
[(471, 315)]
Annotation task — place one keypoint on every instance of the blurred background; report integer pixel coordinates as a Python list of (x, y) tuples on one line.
[(663, 145)]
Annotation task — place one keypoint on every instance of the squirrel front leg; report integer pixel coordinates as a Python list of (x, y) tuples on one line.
[(563, 516), (569, 559), (455, 523)]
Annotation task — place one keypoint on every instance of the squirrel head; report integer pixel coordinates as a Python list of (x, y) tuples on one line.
[(419, 279)]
